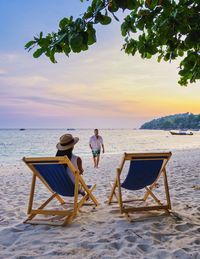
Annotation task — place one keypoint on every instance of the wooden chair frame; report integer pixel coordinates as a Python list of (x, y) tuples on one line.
[(149, 192), (68, 214)]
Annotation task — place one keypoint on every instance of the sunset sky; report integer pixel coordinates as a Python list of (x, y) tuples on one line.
[(100, 88)]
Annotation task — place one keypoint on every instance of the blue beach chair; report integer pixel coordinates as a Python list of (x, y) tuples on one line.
[(52, 173), (144, 171)]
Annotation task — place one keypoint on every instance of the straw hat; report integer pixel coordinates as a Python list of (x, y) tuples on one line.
[(67, 141)]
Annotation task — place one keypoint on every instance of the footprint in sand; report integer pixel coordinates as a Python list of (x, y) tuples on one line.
[(103, 240), (87, 245), (144, 248), (116, 236), (116, 245), (182, 254), (130, 239), (184, 227)]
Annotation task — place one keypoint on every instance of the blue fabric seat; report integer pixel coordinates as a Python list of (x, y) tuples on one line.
[(141, 174), (56, 177)]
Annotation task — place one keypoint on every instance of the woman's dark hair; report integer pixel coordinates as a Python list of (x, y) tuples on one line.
[(67, 153)]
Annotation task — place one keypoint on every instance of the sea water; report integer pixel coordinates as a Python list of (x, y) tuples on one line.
[(15, 144)]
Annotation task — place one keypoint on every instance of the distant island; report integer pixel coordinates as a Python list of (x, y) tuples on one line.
[(178, 121)]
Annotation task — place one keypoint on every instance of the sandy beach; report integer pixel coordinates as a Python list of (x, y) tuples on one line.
[(101, 232)]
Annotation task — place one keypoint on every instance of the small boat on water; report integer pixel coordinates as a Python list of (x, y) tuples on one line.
[(181, 133), (22, 129)]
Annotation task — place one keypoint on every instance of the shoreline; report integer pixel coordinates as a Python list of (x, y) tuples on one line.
[(89, 156)]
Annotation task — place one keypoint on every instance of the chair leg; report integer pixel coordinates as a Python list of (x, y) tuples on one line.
[(113, 192), (67, 221), (119, 191), (167, 189), (76, 194), (30, 204), (127, 217)]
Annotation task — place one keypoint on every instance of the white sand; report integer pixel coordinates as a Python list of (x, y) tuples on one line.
[(102, 232)]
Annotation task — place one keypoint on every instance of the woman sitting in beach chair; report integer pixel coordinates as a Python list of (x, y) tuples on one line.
[(65, 148), (61, 176)]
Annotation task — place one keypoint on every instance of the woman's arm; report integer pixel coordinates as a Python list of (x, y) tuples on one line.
[(79, 164)]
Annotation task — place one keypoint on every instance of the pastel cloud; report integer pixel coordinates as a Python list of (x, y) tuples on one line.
[(105, 84), (2, 72)]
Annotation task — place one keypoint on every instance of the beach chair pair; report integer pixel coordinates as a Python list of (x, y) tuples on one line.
[(145, 170)]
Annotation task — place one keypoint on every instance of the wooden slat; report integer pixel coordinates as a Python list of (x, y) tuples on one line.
[(128, 156), (45, 223), (127, 201), (126, 210), (52, 212)]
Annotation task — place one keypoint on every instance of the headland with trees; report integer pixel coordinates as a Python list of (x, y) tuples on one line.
[(182, 121)]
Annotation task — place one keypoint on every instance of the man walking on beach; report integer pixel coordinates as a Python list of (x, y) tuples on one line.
[(95, 144)]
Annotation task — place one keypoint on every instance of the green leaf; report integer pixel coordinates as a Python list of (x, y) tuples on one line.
[(76, 42), (66, 49), (98, 17), (91, 35), (123, 4), (124, 29), (85, 41), (52, 57), (140, 24), (167, 57), (63, 23), (148, 55), (30, 43), (38, 53), (180, 52), (131, 4), (99, 6), (153, 4), (160, 57), (106, 20)]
